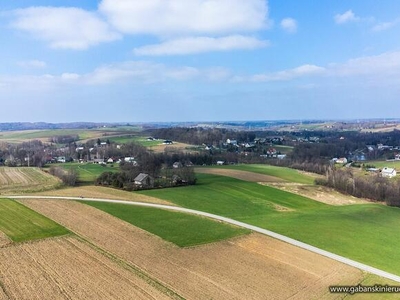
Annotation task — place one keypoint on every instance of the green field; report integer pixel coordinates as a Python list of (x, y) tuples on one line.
[(368, 233), (382, 163), (88, 172), (21, 224), (179, 228), (287, 174), (136, 139), (283, 149)]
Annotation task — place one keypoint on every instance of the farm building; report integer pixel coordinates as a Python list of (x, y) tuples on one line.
[(144, 180), (388, 172), (342, 160), (177, 165), (220, 162)]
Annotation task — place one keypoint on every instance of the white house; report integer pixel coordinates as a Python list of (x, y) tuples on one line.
[(220, 162), (342, 160), (388, 172)]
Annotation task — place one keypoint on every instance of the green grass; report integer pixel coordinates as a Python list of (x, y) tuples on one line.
[(287, 174), (136, 139), (179, 228), (88, 172), (368, 233), (283, 149), (20, 223), (382, 163)]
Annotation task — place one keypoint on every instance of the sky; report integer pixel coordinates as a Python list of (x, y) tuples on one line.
[(198, 60)]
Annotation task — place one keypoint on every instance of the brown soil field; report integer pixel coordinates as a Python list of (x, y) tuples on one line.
[(102, 192), (66, 268), (175, 147), (242, 175), (249, 267), (4, 240), (318, 193), (21, 180)]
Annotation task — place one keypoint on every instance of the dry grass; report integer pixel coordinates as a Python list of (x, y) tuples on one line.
[(175, 147), (102, 192), (250, 267), (4, 240), (24, 179), (66, 268)]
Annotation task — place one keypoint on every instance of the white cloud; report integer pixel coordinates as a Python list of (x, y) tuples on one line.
[(383, 66), (70, 76), (34, 64), (192, 45), (301, 71), (193, 17), (289, 25), (385, 25), (346, 17), (67, 28)]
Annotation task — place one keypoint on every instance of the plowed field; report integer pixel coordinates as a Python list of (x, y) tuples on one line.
[(17, 180), (4, 240), (66, 268), (250, 267)]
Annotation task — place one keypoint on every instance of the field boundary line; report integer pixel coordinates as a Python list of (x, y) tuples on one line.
[(263, 231)]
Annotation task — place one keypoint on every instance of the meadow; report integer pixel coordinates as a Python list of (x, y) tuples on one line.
[(287, 174), (367, 233), (179, 228), (135, 139), (383, 163), (88, 172), (21, 224)]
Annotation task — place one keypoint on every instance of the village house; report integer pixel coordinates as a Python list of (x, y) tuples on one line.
[(341, 160), (177, 165), (144, 180), (388, 172)]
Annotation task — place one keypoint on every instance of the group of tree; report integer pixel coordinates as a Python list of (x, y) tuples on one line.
[(371, 186)]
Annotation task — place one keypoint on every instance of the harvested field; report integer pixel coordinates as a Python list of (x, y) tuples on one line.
[(103, 192), (242, 175), (251, 267), (4, 240), (175, 147), (66, 268), (24, 179), (319, 193)]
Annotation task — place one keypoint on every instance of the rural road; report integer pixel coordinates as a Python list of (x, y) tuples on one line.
[(275, 235)]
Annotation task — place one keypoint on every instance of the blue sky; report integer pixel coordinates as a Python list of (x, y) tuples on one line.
[(199, 60)]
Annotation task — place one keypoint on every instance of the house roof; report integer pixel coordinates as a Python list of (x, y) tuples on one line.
[(141, 177), (388, 170)]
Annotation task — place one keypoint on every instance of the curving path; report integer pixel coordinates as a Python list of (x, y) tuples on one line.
[(275, 235)]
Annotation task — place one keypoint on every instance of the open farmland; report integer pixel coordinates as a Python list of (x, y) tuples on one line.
[(251, 267), (4, 240), (20, 223), (88, 172), (179, 228), (287, 174), (89, 191), (338, 229), (24, 179), (124, 139), (66, 268), (83, 134), (383, 163)]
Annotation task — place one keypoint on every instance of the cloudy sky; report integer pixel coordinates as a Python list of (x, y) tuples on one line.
[(198, 60)]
